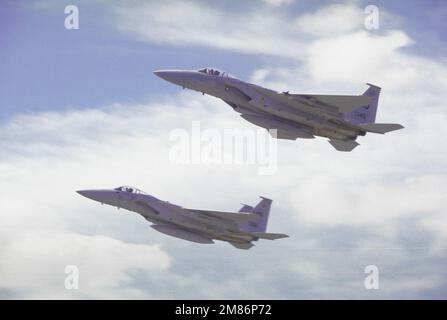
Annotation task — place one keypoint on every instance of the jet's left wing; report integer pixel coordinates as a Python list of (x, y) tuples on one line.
[(257, 235), (341, 103), (269, 236), (283, 130)]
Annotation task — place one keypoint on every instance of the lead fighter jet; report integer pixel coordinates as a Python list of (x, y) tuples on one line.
[(202, 226), (341, 118)]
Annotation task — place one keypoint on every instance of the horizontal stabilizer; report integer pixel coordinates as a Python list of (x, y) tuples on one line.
[(244, 245), (246, 208), (380, 127), (269, 236), (343, 145)]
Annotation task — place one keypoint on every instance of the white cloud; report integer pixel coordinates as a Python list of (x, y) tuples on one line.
[(282, 34), (203, 25), (35, 264), (387, 179), (381, 204), (331, 20), (48, 156), (257, 31), (276, 3), (334, 58), (366, 202)]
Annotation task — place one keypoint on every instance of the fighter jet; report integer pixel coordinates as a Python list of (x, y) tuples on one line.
[(341, 118), (196, 225)]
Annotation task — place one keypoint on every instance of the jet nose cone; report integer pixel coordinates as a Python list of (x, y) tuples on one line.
[(159, 73), (167, 75), (178, 77), (87, 193), (102, 196)]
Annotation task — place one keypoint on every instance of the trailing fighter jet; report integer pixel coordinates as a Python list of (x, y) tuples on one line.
[(201, 226), (341, 118)]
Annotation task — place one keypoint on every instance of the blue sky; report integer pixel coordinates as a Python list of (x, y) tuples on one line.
[(46, 67), (95, 65), (82, 109)]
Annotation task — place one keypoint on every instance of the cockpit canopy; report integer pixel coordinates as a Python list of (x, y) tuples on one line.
[(214, 72), (129, 189)]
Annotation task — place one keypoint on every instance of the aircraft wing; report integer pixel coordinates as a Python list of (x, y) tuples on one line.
[(283, 130), (260, 235), (269, 236), (343, 103), (236, 218), (180, 233)]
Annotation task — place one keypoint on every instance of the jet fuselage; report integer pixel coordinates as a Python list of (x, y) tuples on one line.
[(189, 224), (244, 98)]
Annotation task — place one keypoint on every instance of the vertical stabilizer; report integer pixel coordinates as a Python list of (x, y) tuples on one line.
[(246, 208), (365, 114), (262, 210)]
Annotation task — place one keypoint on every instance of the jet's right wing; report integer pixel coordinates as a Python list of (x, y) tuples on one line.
[(236, 218), (342, 103)]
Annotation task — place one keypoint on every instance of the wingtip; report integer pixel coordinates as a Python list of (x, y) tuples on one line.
[(373, 85)]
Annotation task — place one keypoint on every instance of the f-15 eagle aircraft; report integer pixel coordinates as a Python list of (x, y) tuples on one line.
[(201, 226), (341, 118)]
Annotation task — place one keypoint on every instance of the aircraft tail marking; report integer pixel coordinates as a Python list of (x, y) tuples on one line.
[(367, 113), (262, 211)]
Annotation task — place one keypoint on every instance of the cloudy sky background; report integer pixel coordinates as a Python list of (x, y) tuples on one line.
[(81, 109)]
